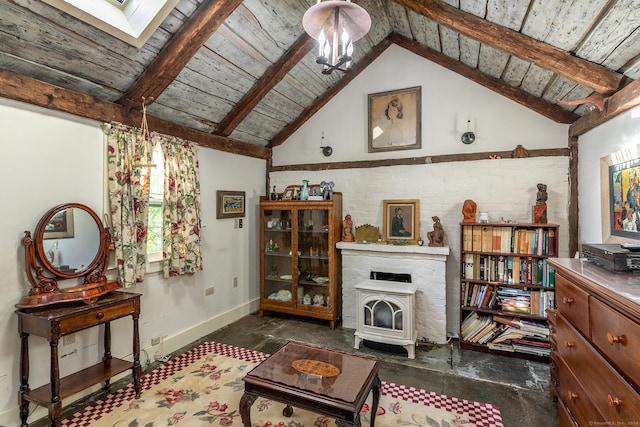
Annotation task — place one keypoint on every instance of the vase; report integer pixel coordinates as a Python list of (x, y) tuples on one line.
[(304, 192)]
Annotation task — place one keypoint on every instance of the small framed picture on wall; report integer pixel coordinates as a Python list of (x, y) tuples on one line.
[(230, 204)]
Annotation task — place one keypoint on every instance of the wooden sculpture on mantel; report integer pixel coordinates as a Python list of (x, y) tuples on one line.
[(436, 237), (539, 210), (469, 209), (347, 229)]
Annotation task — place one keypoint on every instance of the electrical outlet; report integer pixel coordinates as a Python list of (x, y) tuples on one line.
[(155, 340), (209, 291), (68, 339), (239, 222), (235, 282)]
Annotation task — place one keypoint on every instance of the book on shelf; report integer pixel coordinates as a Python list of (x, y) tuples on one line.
[(500, 346), (469, 266), (476, 238), (470, 324), (467, 238), (485, 328), (487, 238)]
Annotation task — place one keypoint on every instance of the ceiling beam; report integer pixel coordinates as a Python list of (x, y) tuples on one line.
[(561, 62), (522, 97), (272, 76), (621, 101), (178, 52), (359, 66), (26, 89)]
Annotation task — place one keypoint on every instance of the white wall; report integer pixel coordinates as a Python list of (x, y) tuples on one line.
[(448, 100), (619, 133), (504, 188), (51, 158)]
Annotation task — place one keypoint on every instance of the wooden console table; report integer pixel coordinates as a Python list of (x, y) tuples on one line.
[(54, 322)]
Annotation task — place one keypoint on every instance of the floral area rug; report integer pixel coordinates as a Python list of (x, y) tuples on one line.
[(203, 387)]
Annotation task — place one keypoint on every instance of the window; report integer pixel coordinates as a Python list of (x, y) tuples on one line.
[(132, 21), (156, 191)]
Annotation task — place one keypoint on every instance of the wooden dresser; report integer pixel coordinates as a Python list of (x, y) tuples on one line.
[(595, 362)]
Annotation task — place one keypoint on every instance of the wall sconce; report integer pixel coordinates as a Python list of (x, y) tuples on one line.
[(468, 137), (326, 150)]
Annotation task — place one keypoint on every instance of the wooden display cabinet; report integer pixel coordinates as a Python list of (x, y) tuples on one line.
[(300, 267)]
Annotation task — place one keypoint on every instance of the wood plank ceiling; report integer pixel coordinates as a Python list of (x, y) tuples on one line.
[(240, 75)]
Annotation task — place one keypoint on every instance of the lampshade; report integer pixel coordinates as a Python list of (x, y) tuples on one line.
[(336, 24), (353, 18)]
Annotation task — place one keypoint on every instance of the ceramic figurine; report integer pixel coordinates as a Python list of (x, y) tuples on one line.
[(469, 209), (306, 299), (318, 299)]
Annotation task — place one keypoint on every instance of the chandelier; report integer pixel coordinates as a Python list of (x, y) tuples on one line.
[(336, 24)]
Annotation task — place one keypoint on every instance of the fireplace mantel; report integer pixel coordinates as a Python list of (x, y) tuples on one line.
[(394, 249), (427, 266)]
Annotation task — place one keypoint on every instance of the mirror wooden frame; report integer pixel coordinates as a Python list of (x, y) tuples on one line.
[(44, 276)]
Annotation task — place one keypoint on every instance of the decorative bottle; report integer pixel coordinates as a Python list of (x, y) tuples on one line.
[(304, 192)]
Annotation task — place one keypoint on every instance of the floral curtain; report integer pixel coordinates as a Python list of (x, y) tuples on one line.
[(129, 152), (180, 207)]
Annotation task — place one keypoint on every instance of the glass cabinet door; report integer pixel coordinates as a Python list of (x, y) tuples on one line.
[(313, 259), (278, 260)]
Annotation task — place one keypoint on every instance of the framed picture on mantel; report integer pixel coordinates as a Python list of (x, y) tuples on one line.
[(394, 120), (401, 220)]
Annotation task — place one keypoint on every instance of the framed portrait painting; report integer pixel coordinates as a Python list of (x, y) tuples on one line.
[(394, 120), (230, 204), (401, 220)]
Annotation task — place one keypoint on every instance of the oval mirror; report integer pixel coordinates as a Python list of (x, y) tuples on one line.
[(68, 240)]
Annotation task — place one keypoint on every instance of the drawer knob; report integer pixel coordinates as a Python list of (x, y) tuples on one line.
[(615, 339), (571, 395), (568, 301), (569, 344), (614, 401), (100, 315)]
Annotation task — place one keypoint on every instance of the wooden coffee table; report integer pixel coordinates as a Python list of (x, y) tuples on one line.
[(323, 381)]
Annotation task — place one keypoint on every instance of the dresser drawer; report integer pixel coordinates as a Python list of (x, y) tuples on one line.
[(573, 303), (97, 316), (611, 394), (617, 337), (574, 396)]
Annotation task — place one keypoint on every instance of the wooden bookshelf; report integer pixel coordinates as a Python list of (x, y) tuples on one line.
[(506, 286)]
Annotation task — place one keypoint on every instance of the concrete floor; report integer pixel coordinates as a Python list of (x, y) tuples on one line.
[(518, 387)]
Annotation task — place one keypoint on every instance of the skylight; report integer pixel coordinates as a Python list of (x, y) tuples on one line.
[(132, 21)]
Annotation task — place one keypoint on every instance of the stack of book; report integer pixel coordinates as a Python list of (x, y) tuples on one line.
[(522, 335), (507, 334), (514, 300)]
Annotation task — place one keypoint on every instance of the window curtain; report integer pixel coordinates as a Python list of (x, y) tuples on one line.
[(180, 207), (129, 152)]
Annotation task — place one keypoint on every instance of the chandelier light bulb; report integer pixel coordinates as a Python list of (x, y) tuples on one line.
[(321, 40), (345, 41)]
